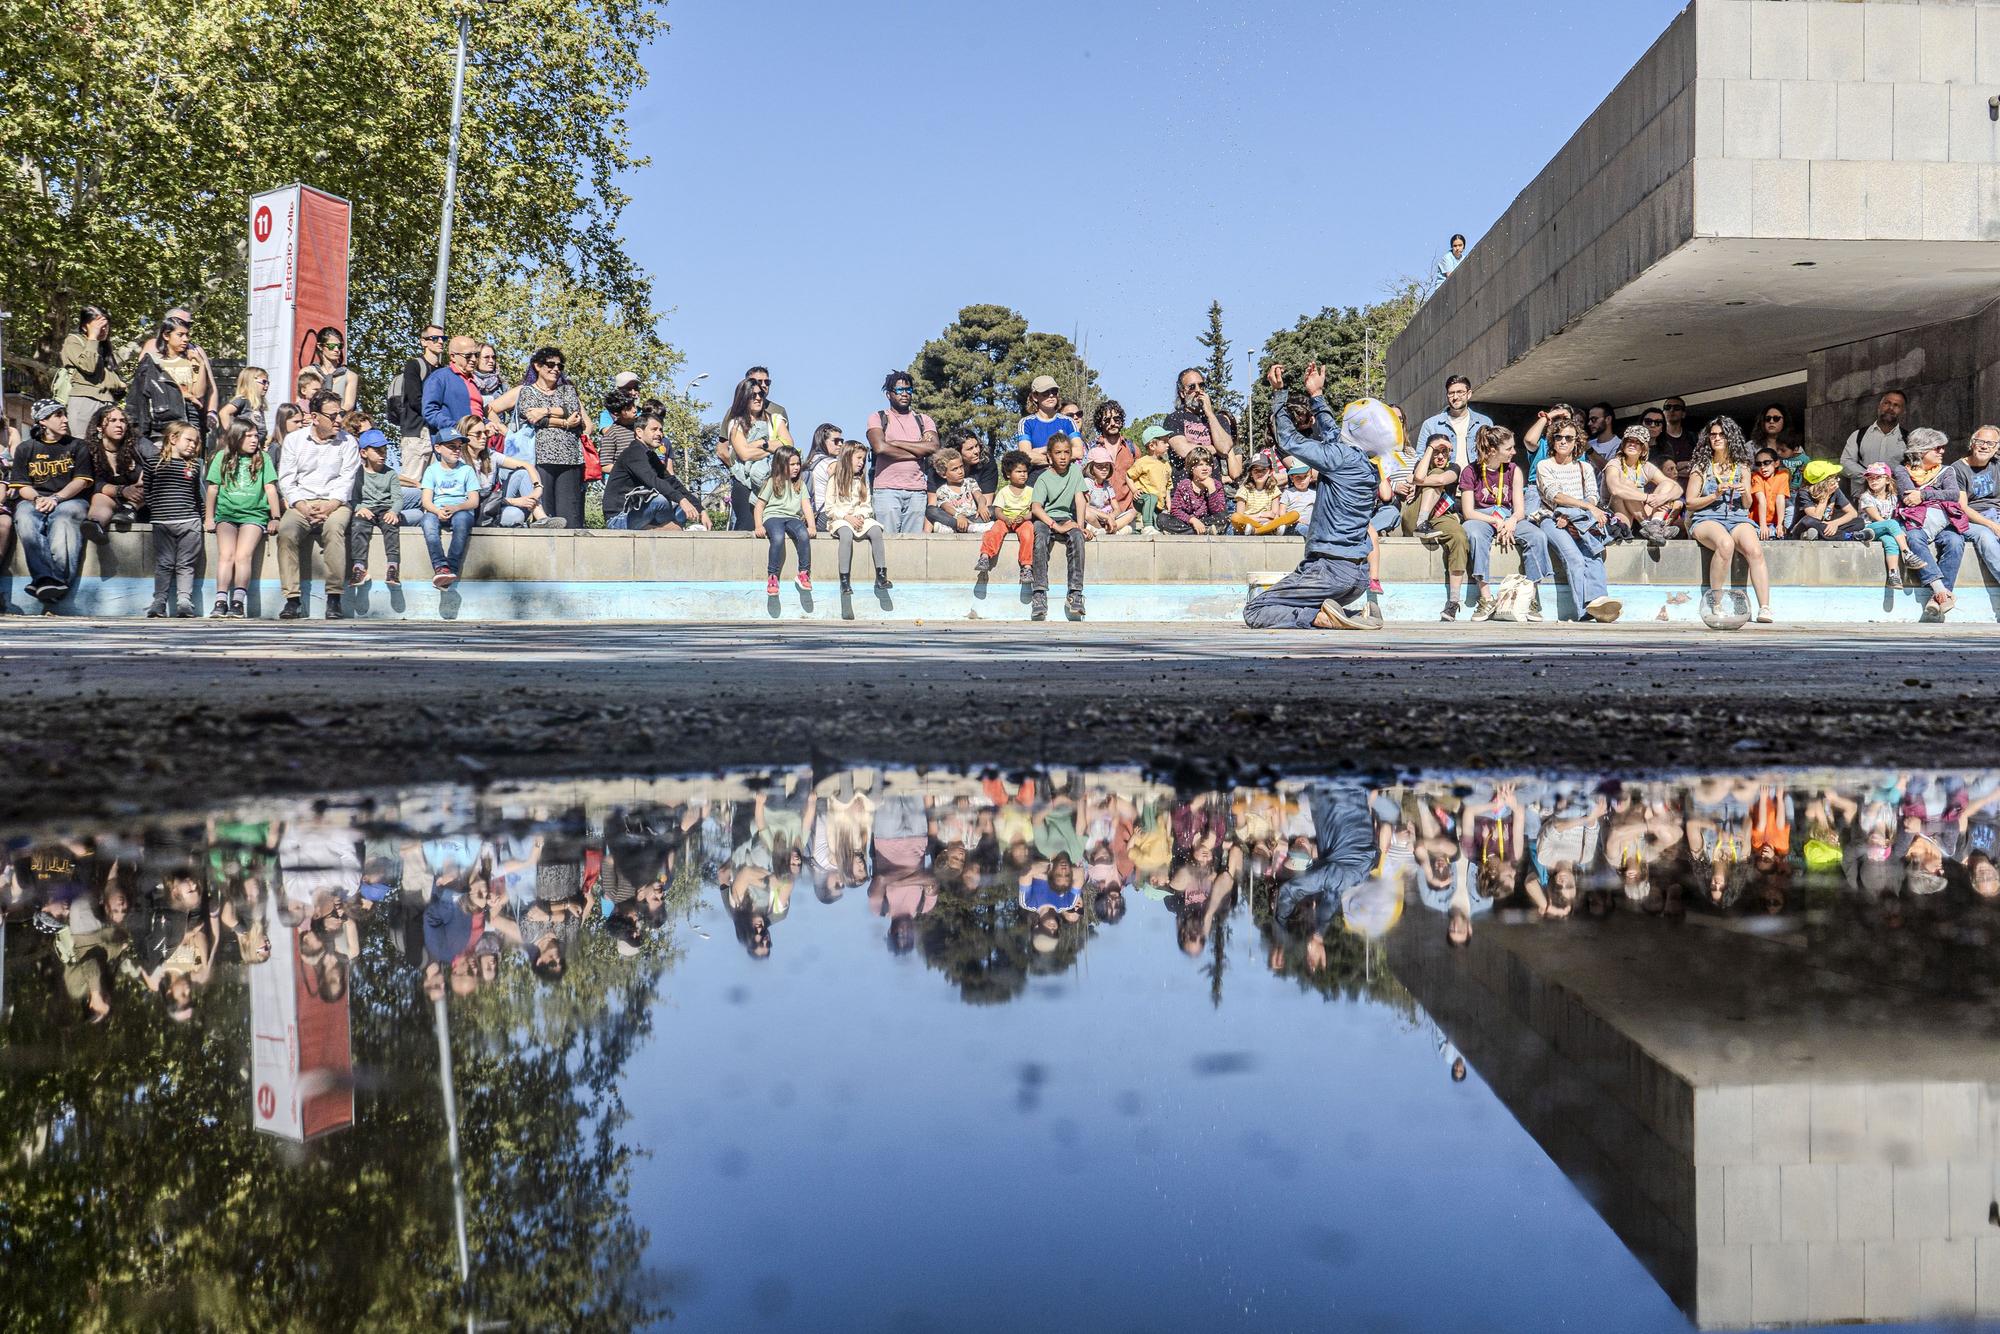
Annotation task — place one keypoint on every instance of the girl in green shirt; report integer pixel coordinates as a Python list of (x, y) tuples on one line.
[(242, 503), (784, 510)]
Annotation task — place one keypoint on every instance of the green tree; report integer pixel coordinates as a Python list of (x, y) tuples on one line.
[(135, 134), (1219, 369), (598, 338), (976, 373), (1352, 343)]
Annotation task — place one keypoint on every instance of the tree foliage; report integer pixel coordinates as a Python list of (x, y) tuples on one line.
[(598, 340), (1218, 371), (976, 373), (1352, 343), (135, 134)]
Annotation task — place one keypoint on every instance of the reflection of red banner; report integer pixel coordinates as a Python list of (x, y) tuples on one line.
[(301, 1045)]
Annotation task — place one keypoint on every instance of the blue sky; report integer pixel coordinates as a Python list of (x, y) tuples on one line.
[(831, 182)]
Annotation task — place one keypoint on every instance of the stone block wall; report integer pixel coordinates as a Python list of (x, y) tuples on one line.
[(1951, 372)]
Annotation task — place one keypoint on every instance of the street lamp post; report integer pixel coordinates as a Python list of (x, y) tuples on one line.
[(451, 169), (687, 447)]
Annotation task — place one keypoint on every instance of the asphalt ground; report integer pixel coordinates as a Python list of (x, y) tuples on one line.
[(110, 716)]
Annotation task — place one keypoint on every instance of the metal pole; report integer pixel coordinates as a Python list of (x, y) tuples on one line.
[(451, 170), (451, 1144)]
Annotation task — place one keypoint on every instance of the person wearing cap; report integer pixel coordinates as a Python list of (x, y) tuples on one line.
[(1936, 539), (1979, 498), (1334, 572), (378, 506), (1151, 477), (1042, 421), (1821, 511), (901, 439), (50, 487), (317, 469), (624, 382), (1301, 488), (1878, 504)]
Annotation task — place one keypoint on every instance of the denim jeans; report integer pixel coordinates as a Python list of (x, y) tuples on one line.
[(1388, 517), (1292, 602), (1987, 543), (1582, 571), (412, 513), (518, 487), (1534, 549), (777, 530), (900, 511), (52, 543), (1941, 555), (657, 512), (461, 533)]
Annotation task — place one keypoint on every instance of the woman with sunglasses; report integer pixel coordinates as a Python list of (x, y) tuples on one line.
[(755, 430), (330, 360), (548, 401), (1772, 435)]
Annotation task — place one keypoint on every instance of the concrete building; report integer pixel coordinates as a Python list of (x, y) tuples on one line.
[(1789, 200)]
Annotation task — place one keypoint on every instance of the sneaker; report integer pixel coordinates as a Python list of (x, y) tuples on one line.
[(155, 612), (1483, 610), (239, 604), (1038, 608), (441, 580), (1764, 616), (1430, 537), (1342, 618), (1535, 608), (804, 581), (550, 521), (220, 611), (1149, 531), (34, 588), (882, 584), (1912, 561), (1027, 576), (983, 564), (846, 584), (291, 611), (1604, 610), (392, 576), (357, 575), (1073, 606), (771, 587), (185, 611), (334, 611), (1375, 588), (93, 531), (1450, 612)]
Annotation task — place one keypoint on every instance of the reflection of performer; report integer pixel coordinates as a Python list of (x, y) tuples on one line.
[(1341, 884)]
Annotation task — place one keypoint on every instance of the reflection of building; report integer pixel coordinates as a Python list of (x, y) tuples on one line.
[(1780, 201), (1777, 1141)]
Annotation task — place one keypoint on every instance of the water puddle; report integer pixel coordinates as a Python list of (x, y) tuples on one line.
[(905, 1050)]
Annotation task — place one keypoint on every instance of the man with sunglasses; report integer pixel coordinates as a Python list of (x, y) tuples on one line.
[(1196, 423), (900, 440), (405, 408), (1673, 443), (1601, 433), (317, 469)]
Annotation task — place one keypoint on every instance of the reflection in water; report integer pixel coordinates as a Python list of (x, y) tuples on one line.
[(1749, 1017)]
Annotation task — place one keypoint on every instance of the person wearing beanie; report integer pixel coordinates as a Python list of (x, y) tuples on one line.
[(49, 489)]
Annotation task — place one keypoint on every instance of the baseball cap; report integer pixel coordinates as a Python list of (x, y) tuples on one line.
[(1100, 454), (47, 408), (372, 438), (1296, 467), (1820, 470), (1876, 470), (624, 380), (1152, 433), (1043, 384)]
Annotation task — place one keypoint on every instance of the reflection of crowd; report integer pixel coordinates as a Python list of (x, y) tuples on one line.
[(992, 880)]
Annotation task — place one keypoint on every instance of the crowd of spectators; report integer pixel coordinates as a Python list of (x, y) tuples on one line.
[(1033, 865), (458, 446)]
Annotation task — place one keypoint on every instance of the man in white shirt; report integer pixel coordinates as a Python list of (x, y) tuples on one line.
[(317, 469), (1881, 441)]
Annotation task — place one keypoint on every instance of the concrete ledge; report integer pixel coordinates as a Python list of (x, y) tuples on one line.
[(599, 556)]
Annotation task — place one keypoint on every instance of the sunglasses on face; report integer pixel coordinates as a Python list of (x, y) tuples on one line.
[(1767, 462), (1569, 436), (1676, 407), (1774, 416), (433, 338), (761, 384)]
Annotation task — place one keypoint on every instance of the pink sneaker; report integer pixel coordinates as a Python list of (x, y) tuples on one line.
[(805, 581), (771, 587)]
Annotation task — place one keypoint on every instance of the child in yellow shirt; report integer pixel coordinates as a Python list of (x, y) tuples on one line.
[(1151, 476), (1011, 506)]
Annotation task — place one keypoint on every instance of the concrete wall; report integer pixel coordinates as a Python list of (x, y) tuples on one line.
[(1617, 197), (1951, 371), (1837, 120)]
